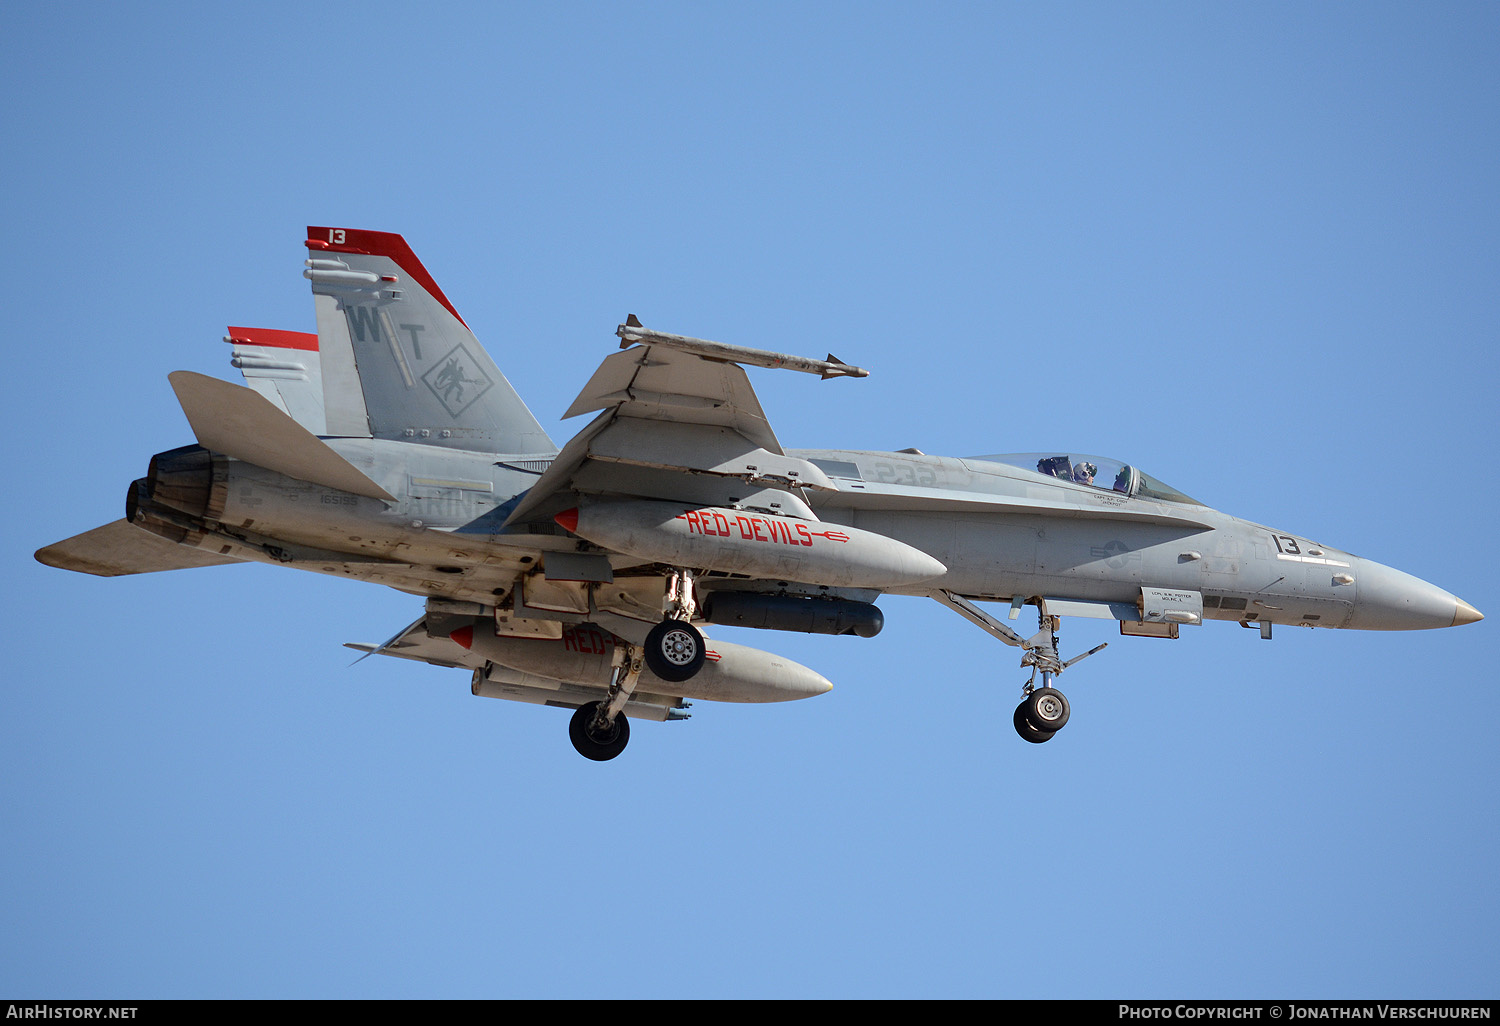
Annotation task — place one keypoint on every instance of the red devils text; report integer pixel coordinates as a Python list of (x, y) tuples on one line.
[(587, 640), (749, 527)]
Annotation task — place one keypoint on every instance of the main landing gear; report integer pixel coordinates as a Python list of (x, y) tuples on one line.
[(674, 649), (599, 730), (594, 737), (1044, 710)]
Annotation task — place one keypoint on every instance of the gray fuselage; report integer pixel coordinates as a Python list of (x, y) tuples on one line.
[(1003, 532)]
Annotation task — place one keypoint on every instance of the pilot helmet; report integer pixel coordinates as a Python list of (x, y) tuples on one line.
[(1085, 469)]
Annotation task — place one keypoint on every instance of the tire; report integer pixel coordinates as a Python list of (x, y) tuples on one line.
[(600, 747), (1047, 709), (675, 651), (1026, 729)]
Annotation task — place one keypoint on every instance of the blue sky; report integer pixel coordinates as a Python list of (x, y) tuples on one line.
[(1250, 248)]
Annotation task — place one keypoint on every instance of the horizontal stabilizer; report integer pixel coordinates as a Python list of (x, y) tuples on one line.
[(236, 421), (121, 548)]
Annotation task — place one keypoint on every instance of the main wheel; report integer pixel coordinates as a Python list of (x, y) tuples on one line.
[(675, 650), (1047, 708), (1026, 728), (601, 746)]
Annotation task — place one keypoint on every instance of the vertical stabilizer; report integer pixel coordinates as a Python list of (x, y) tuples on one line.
[(284, 367), (398, 361)]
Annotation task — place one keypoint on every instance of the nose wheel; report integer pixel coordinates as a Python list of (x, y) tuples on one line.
[(1044, 711), (1047, 708), (1029, 731), (1041, 714)]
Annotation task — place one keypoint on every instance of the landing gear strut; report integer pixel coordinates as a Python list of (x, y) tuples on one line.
[(1044, 710), (674, 649), (599, 730)]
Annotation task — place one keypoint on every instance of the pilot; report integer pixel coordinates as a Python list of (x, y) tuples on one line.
[(1083, 472)]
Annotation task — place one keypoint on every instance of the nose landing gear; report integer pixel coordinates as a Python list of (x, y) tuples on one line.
[(1029, 731), (1042, 713), (1047, 708), (1044, 710)]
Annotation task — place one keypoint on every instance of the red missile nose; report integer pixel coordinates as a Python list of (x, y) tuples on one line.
[(464, 636), (568, 518)]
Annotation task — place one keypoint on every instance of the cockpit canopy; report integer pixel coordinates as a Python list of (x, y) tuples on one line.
[(1095, 471)]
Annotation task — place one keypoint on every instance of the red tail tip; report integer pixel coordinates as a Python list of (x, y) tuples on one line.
[(568, 518), (464, 636)]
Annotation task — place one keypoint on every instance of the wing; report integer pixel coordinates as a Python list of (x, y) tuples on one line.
[(676, 423), (732, 673), (427, 641)]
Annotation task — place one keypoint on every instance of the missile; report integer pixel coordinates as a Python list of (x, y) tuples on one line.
[(633, 332), (586, 654), (758, 544)]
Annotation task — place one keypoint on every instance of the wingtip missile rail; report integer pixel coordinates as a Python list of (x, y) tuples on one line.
[(632, 332)]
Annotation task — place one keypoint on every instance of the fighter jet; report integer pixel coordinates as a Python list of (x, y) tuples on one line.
[(390, 448)]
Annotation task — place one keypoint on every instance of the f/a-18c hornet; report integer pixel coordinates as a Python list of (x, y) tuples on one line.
[(389, 448)]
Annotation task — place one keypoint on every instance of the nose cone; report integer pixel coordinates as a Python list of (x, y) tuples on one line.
[(1388, 600)]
